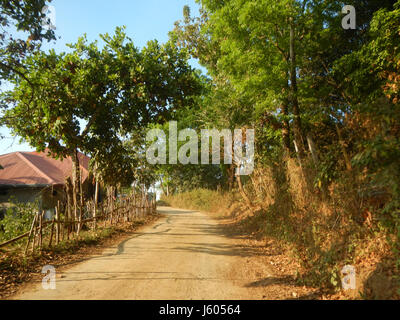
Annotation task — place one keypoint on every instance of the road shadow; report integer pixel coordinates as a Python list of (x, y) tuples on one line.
[(286, 281), (172, 211), (220, 249)]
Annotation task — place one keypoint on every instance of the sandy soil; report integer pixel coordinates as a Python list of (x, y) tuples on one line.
[(184, 255)]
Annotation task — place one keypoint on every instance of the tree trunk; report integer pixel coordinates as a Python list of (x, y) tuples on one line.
[(76, 185), (96, 199), (286, 128), (343, 147), (231, 176), (294, 91), (313, 149), (243, 193), (58, 224), (80, 202), (41, 230), (134, 201)]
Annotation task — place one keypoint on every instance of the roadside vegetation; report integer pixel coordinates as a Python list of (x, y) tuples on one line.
[(200, 199), (94, 100), (17, 219), (320, 233), (324, 102)]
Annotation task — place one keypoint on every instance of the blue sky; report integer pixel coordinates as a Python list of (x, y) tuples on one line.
[(144, 20)]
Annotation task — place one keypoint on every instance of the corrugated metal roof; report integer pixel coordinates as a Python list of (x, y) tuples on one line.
[(34, 168)]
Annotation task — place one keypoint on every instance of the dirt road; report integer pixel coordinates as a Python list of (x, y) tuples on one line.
[(184, 255)]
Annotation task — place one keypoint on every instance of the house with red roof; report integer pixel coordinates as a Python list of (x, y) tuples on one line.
[(30, 176)]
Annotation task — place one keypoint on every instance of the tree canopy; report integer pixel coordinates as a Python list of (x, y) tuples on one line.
[(26, 18)]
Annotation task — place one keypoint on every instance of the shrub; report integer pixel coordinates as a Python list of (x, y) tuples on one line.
[(17, 220)]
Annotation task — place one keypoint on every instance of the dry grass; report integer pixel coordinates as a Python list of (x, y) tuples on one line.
[(202, 200), (323, 229)]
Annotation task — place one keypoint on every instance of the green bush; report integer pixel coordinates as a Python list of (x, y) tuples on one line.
[(17, 220)]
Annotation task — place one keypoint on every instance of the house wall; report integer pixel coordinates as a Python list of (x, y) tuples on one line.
[(48, 196), (19, 194), (7, 195)]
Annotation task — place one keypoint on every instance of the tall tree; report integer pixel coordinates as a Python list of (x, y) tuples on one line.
[(91, 99)]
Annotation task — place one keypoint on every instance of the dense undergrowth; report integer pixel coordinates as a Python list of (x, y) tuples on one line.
[(323, 229)]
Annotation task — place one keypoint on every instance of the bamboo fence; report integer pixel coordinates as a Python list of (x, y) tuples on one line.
[(63, 226)]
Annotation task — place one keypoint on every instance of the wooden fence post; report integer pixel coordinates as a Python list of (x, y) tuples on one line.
[(52, 232), (41, 231), (57, 225), (80, 205), (30, 233), (68, 214)]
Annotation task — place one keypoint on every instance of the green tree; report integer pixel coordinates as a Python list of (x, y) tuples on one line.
[(26, 18), (93, 100)]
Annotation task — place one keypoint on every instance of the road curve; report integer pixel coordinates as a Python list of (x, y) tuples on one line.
[(184, 255)]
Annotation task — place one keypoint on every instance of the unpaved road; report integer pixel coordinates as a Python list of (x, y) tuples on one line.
[(184, 255)]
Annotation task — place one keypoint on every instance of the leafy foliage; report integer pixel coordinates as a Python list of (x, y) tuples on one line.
[(25, 16), (17, 220), (95, 99)]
